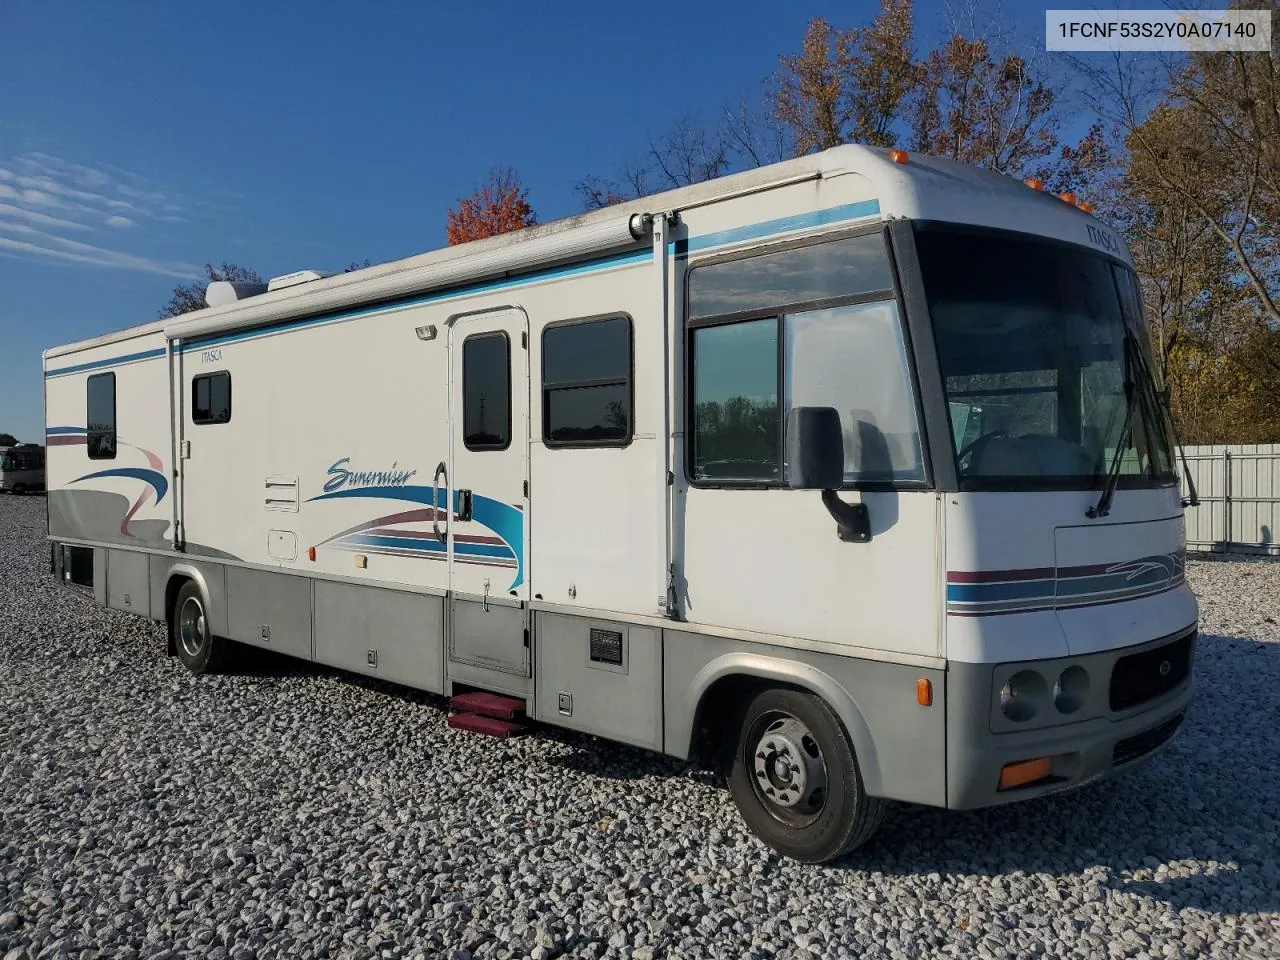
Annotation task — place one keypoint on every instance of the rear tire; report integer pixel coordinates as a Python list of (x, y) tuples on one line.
[(198, 649), (793, 774)]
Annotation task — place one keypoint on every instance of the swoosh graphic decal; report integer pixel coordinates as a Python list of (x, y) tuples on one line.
[(502, 518), (153, 477)]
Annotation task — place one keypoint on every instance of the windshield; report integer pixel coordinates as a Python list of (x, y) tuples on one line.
[(1045, 362)]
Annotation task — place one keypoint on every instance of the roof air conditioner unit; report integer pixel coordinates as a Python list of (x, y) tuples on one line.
[(295, 278), (229, 291)]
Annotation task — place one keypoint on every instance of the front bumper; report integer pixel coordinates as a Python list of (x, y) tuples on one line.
[(1080, 752)]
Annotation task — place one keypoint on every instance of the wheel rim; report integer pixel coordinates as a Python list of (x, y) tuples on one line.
[(788, 772), (191, 629)]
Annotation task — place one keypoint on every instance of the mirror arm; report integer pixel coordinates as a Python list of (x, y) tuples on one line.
[(853, 521)]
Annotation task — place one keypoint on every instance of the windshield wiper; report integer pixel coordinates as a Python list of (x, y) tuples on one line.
[(1103, 506), (1161, 399)]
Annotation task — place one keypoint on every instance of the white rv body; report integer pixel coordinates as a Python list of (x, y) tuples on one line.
[(603, 583)]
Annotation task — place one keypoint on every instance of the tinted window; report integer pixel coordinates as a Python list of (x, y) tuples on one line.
[(854, 266), (736, 433), (101, 416), (586, 383), (831, 337), (486, 391), (211, 398), (1045, 362)]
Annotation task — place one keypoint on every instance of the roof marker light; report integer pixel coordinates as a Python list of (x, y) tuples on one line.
[(899, 156), (1086, 206), (1067, 197), (1034, 184)]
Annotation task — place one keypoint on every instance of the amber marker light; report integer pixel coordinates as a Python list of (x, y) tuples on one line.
[(924, 692), (311, 553), (899, 156), (1034, 184), (1067, 197), (1086, 206), (1024, 772)]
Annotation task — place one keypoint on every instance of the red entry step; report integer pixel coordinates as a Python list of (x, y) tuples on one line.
[(488, 705), (489, 726), (489, 713)]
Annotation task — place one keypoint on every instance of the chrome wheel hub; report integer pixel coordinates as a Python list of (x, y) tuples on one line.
[(191, 627)]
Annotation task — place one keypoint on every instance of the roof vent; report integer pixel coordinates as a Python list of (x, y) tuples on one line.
[(229, 291), (295, 278)]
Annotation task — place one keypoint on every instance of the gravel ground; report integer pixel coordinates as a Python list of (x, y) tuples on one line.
[(289, 811)]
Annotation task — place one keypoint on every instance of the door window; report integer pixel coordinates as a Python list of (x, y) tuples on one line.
[(486, 391)]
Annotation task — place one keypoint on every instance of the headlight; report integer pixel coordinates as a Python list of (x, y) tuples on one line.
[(1022, 695), (1070, 689)]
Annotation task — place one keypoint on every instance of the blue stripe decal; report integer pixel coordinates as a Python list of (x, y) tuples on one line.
[(113, 362), (431, 545), (56, 431), (1125, 580), (605, 263), (756, 231), (982, 592), (800, 221)]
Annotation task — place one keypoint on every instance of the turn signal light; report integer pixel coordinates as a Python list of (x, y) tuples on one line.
[(1034, 184), (924, 692), (1024, 772), (898, 156)]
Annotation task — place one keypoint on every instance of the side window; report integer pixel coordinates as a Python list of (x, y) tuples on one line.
[(486, 391), (101, 416), (737, 433), (586, 383), (211, 398), (811, 326)]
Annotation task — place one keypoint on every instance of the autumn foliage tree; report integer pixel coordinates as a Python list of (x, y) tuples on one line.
[(499, 205), (846, 85)]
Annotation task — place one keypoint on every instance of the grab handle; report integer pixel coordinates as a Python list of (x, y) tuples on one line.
[(435, 496)]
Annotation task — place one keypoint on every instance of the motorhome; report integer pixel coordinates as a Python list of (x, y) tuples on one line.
[(22, 468), (851, 474)]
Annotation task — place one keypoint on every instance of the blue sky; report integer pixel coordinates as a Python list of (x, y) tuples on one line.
[(139, 140)]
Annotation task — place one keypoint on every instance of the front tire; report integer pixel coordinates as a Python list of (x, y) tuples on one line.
[(793, 774), (196, 646)]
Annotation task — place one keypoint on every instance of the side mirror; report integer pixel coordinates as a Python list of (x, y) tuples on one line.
[(815, 461), (814, 449)]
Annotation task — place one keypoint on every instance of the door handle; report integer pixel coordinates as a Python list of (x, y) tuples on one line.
[(435, 497)]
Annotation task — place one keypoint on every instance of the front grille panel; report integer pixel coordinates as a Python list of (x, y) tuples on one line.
[(1144, 676), (1132, 748)]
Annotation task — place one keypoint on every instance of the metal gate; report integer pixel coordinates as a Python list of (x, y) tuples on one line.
[(1239, 488)]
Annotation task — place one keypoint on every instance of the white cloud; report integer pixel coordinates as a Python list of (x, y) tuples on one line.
[(36, 186), (8, 210), (53, 247)]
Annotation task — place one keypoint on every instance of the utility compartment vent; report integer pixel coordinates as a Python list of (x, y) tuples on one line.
[(606, 646), (282, 494)]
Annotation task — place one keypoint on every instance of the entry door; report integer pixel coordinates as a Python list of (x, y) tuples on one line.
[(488, 470)]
